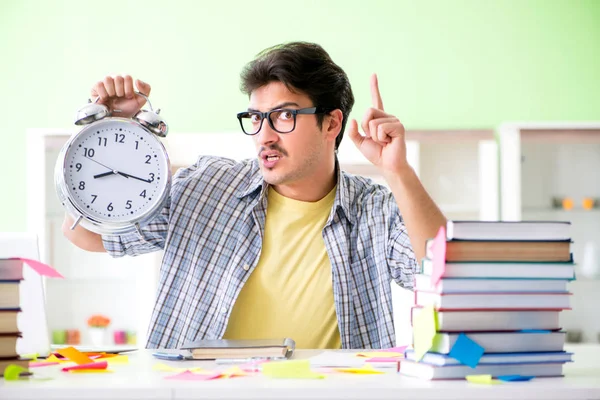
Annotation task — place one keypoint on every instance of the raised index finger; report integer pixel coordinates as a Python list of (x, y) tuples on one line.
[(375, 95)]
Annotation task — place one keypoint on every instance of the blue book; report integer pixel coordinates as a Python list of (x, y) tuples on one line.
[(497, 358)]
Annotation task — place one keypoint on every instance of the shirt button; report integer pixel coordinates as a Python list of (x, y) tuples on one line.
[(246, 267), (224, 310)]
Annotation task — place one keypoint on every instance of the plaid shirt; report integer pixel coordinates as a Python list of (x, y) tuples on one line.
[(212, 228)]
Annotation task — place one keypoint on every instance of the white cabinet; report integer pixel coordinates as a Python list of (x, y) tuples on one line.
[(458, 168), (543, 164)]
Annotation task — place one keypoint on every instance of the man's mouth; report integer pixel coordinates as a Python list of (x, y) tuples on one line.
[(272, 158)]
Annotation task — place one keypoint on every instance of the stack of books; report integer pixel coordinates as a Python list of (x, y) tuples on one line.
[(11, 275), (488, 299)]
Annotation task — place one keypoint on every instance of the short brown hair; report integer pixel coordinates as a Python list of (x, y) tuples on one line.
[(304, 67)]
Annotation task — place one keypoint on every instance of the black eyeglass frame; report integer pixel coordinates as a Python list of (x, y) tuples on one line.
[(267, 115)]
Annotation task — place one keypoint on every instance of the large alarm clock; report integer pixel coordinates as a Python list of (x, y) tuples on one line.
[(113, 176)]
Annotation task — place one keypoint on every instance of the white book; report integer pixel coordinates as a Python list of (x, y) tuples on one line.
[(504, 342), (497, 285), (508, 230), (495, 358), (465, 321), (540, 270), (487, 301), (429, 372)]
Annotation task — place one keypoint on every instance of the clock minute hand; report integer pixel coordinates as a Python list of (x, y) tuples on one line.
[(134, 177)]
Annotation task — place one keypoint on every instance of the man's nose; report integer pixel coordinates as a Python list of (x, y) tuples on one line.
[(267, 134)]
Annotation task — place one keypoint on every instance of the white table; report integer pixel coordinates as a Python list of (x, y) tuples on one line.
[(137, 380)]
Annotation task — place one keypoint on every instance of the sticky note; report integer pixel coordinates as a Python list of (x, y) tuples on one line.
[(439, 256), (295, 369), (375, 354), (12, 372), (365, 370), (93, 365), (75, 355), (120, 359), (30, 356), (41, 268), (515, 378), (90, 371), (190, 376), (234, 372), (54, 359), (424, 328), (399, 349), (482, 379), (38, 364), (466, 351)]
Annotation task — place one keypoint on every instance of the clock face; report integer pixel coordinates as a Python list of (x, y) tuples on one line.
[(115, 171)]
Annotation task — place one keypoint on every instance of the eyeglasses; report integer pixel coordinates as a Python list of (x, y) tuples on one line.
[(282, 120)]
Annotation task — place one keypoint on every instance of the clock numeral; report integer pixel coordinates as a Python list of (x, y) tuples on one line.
[(151, 177), (148, 158), (128, 205), (143, 194), (78, 166), (110, 207), (82, 185), (88, 152), (101, 140), (136, 144), (119, 138), (95, 197)]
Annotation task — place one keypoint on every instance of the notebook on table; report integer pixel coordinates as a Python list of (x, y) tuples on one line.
[(210, 349)]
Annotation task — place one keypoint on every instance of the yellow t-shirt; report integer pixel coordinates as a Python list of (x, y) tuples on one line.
[(290, 292)]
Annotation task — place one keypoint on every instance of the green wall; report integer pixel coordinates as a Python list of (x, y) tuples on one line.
[(442, 64)]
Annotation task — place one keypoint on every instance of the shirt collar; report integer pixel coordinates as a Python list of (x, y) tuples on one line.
[(342, 197)]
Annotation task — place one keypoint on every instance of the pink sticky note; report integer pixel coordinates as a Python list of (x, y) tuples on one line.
[(399, 349), (439, 255), (37, 364), (94, 365), (190, 376), (41, 268)]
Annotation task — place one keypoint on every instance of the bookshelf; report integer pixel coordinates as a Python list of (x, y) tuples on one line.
[(542, 164), (458, 167)]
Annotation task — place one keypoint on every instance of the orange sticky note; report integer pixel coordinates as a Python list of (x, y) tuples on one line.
[(75, 355), (439, 255)]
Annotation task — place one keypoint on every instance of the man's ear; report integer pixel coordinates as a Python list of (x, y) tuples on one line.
[(333, 124)]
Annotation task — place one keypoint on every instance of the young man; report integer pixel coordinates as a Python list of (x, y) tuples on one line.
[(285, 245)]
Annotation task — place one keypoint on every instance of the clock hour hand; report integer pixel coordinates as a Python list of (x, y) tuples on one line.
[(106, 174)]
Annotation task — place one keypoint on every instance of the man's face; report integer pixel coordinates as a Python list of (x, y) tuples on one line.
[(287, 158)]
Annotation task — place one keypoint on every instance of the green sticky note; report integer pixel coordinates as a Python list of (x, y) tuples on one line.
[(424, 328), (293, 369), (31, 356), (12, 372)]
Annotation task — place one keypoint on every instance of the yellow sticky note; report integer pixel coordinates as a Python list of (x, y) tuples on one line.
[(380, 354), (364, 370), (75, 355), (424, 328), (12, 372), (295, 369), (482, 379), (52, 359), (120, 359), (233, 372)]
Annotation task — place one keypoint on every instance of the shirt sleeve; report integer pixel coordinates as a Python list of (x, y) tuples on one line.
[(401, 257), (154, 234)]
